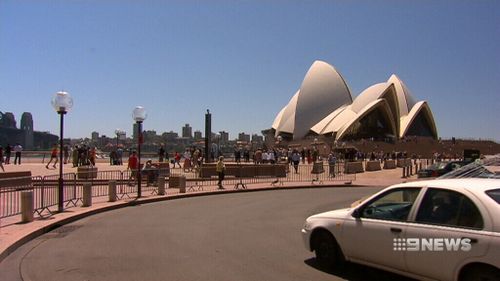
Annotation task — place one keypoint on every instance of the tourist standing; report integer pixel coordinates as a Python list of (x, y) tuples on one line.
[(295, 160), (18, 149), (119, 156), (74, 156), (332, 160), (133, 165), (66, 154), (258, 156), (220, 168), (187, 160), (92, 156), (8, 151), (161, 154), (177, 159)]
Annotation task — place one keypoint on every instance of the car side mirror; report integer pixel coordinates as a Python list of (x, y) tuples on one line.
[(356, 214)]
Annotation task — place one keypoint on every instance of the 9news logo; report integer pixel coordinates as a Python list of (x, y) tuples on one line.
[(432, 244)]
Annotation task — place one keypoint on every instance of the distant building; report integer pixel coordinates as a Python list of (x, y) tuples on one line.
[(7, 120), (26, 136), (149, 135), (187, 131), (257, 138), (324, 106), (170, 136), (244, 137), (95, 136), (224, 137), (198, 135), (27, 128)]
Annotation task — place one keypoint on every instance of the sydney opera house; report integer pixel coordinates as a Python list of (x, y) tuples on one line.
[(324, 106)]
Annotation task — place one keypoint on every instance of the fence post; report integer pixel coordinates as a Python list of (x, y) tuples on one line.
[(27, 208), (112, 191), (87, 194), (161, 185), (404, 172)]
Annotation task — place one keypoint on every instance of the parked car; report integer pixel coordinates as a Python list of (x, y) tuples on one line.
[(429, 230), (439, 168)]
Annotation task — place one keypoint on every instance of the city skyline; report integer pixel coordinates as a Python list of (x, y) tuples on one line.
[(242, 60)]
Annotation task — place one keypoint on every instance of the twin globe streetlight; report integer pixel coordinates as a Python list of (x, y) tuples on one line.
[(62, 103)]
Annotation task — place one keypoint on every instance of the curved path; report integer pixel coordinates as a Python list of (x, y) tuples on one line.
[(240, 236)]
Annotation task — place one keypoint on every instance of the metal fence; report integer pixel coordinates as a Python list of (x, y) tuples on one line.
[(45, 189)]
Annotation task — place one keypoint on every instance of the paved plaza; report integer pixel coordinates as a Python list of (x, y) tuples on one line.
[(13, 233)]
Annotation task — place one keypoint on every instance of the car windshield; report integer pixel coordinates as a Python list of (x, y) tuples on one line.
[(488, 167), (494, 194)]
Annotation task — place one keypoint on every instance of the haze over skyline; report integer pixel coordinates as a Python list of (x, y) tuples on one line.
[(243, 60)]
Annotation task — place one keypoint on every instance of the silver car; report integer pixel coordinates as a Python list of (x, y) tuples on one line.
[(429, 230)]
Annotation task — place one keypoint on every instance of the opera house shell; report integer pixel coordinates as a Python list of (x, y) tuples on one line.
[(324, 106)]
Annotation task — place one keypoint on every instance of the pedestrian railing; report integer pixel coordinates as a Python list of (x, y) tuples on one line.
[(45, 189)]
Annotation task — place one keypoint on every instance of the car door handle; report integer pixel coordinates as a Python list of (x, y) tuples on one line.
[(396, 230), (472, 240)]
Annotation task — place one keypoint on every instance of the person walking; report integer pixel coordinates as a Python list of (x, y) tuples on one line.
[(221, 169), (53, 156), (1, 159), (18, 149)]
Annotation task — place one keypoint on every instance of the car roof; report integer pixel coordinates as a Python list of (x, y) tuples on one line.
[(473, 185)]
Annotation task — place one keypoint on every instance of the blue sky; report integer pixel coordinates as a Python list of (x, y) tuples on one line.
[(243, 60)]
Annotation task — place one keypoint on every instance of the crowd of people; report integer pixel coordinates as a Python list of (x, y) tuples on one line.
[(5, 155)]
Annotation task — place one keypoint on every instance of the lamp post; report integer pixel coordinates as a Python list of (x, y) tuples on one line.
[(208, 136), (62, 103), (139, 115)]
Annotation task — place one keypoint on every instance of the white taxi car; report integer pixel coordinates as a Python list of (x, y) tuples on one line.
[(429, 230)]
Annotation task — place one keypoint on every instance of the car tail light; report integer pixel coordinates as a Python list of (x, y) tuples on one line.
[(434, 174)]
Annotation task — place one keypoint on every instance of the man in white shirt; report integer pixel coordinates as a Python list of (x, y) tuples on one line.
[(18, 149)]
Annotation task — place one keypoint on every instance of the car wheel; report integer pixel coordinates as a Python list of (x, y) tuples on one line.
[(328, 253), (481, 273)]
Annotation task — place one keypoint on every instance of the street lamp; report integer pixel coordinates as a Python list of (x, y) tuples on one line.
[(139, 115), (62, 103)]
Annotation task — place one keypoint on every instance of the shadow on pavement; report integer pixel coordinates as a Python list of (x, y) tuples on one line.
[(358, 272)]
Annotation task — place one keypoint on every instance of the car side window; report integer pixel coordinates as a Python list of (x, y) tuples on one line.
[(449, 208), (393, 205)]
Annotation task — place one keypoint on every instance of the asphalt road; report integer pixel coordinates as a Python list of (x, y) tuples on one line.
[(241, 236)]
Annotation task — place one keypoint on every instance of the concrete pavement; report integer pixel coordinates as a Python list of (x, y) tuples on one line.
[(13, 234)]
